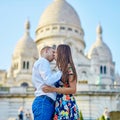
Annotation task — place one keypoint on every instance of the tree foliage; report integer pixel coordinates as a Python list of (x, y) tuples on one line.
[(81, 116)]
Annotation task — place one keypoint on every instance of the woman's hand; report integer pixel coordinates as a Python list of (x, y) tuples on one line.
[(47, 89)]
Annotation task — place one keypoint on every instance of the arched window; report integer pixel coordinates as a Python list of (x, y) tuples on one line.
[(62, 28), (69, 29), (105, 71), (101, 69), (24, 84), (23, 64), (27, 65), (55, 27)]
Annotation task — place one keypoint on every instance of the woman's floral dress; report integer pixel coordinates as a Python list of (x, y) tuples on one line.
[(65, 106)]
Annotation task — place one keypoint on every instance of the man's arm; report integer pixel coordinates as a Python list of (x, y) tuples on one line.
[(47, 75)]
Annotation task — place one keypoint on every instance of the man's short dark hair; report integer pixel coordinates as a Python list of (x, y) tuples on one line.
[(45, 48)]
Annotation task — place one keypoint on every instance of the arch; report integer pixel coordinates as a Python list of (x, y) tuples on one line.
[(101, 69), (105, 70), (23, 64), (27, 64), (24, 84)]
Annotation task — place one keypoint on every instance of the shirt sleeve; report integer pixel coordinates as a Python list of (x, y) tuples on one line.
[(49, 78)]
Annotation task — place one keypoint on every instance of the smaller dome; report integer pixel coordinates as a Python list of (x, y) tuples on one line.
[(103, 52), (26, 46), (99, 48)]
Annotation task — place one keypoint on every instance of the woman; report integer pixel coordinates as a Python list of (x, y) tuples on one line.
[(65, 105)]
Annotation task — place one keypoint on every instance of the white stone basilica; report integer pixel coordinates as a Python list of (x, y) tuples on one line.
[(60, 24)]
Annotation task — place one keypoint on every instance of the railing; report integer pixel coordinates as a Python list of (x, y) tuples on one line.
[(99, 88), (17, 90), (103, 87), (81, 88)]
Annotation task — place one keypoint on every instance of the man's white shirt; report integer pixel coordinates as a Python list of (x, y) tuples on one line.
[(43, 75)]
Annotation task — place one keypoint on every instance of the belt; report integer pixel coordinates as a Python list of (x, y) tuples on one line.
[(48, 98)]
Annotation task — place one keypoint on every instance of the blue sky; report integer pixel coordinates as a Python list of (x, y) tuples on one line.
[(13, 14)]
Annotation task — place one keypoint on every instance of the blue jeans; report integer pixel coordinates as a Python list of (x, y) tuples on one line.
[(43, 108)]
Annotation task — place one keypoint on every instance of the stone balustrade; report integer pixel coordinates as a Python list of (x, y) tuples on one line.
[(80, 88), (91, 99)]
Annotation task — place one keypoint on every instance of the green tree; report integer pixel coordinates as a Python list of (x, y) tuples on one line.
[(81, 116), (101, 118)]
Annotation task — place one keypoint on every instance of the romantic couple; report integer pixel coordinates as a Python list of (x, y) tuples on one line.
[(55, 91)]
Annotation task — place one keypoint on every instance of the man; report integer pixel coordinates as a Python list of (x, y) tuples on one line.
[(20, 113), (106, 114), (43, 104)]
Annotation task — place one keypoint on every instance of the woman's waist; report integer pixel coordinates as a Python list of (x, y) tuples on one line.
[(64, 95)]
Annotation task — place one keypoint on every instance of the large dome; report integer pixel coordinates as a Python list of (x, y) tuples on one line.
[(54, 14), (26, 46), (99, 48), (59, 22)]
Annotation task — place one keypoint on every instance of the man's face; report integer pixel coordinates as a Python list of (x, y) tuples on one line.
[(50, 54), (55, 55)]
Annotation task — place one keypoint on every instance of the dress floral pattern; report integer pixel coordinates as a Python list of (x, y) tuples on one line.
[(65, 106)]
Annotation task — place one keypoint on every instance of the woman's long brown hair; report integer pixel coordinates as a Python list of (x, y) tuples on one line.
[(64, 58)]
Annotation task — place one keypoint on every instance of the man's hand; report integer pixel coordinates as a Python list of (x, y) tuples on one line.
[(47, 89)]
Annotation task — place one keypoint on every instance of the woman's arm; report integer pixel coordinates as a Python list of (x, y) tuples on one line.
[(64, 90)]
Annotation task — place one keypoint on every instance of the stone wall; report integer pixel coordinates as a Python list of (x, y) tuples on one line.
[(91, 103)]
